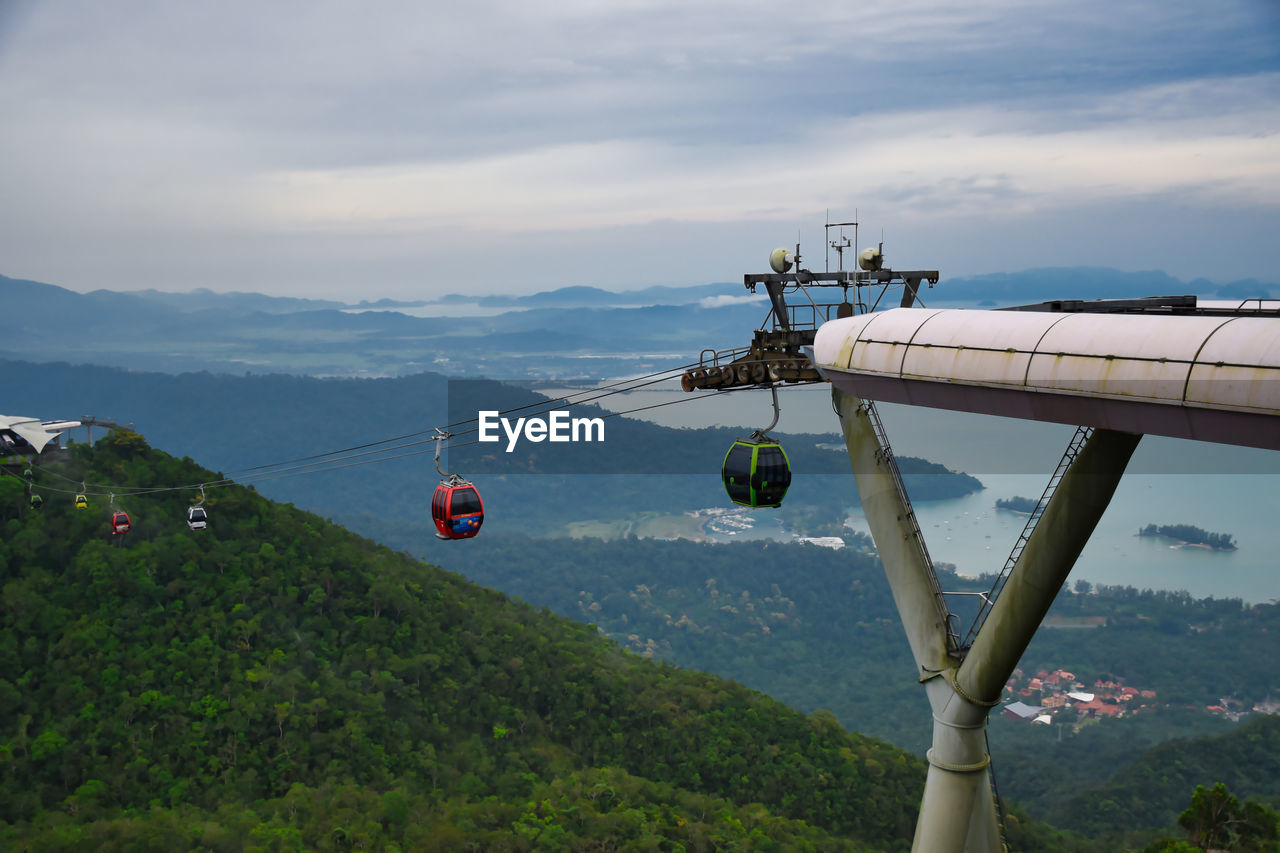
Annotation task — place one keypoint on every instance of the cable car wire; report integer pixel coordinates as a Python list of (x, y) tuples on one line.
[(247, 474), (335, 460)]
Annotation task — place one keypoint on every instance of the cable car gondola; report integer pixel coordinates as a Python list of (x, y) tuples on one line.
[(197, 518), (82, 502), (456, 507), (457, 510), (756, 471), (119, 523)]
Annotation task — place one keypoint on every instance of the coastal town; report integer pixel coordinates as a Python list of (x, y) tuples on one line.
[(1059, 697)]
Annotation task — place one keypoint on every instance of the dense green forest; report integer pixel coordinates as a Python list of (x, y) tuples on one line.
[(1191, 535), (1193, 652), (275, 682), (1217, 820), (1146, 792), (817, 628)]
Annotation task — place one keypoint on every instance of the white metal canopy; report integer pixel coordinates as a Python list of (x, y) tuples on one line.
[(1199, 377), (32, 431)]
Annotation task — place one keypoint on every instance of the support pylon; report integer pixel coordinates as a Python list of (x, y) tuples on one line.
[(957, 811)]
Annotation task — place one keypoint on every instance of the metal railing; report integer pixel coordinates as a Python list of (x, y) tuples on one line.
[(805, 317)]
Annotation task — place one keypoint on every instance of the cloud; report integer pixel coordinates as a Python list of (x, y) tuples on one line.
[(961, 161), (284, 133), (730, 300)]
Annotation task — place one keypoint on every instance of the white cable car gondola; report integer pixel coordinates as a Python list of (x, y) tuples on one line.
[(197, 517)]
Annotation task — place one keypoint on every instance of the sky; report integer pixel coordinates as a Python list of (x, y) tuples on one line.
[(407, 150)]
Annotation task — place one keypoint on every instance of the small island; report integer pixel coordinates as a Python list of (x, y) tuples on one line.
[(1026, 506), (1190, 536)]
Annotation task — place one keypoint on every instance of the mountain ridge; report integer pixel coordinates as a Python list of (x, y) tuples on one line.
[(574, 331)]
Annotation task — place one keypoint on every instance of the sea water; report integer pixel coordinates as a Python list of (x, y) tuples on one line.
[(1169, 481)]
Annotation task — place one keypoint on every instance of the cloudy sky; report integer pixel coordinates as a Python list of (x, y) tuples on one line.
[(408, 149)]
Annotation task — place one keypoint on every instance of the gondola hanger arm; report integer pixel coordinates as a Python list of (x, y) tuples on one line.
[(777, 412)]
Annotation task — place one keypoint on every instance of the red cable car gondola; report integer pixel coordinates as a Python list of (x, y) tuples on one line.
[(119, 523), (456, 507), (457, 510)]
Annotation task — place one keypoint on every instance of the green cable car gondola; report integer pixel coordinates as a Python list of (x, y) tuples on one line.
[(756, 471)]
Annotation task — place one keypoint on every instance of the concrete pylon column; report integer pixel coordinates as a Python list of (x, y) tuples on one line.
[(913, 583), (1051, 552), (957, 811)]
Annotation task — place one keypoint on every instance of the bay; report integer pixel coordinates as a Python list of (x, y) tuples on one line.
[(1219, 488)]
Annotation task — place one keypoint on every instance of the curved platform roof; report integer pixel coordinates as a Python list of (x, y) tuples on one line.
[(1209, 378), (21, 435)]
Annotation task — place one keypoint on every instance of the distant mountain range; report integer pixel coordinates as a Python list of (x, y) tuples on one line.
[(583, 297), (572, 331), (239, 333), (1016, 288), (1039, 285)]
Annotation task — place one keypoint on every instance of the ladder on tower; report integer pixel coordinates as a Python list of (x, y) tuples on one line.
[(989, 599), (885, 454)]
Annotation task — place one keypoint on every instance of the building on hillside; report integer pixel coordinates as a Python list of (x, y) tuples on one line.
[(1021, 711), (1099, 708)]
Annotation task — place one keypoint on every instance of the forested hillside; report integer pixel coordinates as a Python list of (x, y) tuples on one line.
[(276, 681), (817, 628), (834, 642), (1151, 791)]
